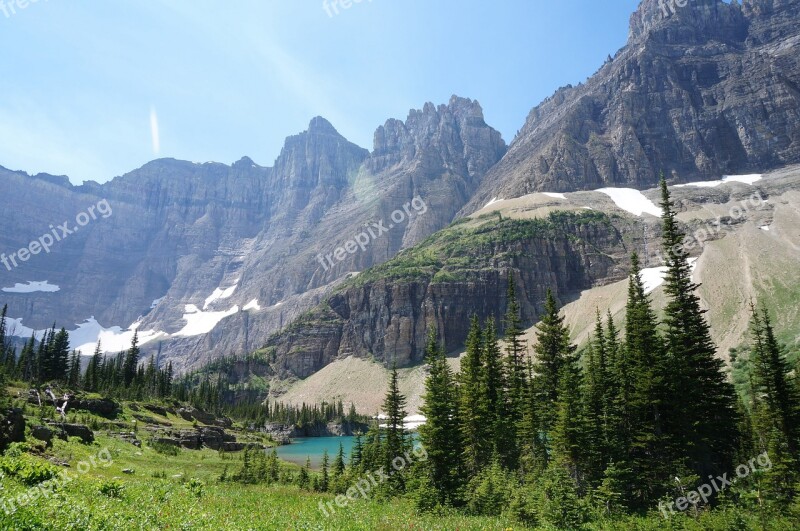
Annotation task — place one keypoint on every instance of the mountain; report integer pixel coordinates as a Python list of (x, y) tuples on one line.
[(189, 245), (337, 253), (699, 91)]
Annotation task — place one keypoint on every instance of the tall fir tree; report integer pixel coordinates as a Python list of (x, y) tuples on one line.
[(553, 349), (395, 435), (440, 435), (131, 360), (702, 404), (474, 408)]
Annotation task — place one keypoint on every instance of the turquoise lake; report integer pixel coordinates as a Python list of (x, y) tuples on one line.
[(313, 447)]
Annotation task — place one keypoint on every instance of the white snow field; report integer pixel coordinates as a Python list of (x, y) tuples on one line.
[(32, 286), (631, 200)]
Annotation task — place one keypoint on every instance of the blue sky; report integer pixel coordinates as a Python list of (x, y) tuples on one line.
[(86, 84)]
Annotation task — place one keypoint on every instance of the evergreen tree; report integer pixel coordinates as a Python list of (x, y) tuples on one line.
[(74, 377), (338, 463), (553, 350), (495, 387), (394, 407), (702, 406), (27, 360), (440, 435), (131, 361), (776, 408), (324, 482), (570, 427), (650, 376), (473, 406), (3, 328)]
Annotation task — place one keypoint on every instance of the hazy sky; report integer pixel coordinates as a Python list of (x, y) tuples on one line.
[(93, 89)]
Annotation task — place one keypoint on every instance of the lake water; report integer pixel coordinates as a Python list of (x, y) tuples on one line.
[(313, 447)]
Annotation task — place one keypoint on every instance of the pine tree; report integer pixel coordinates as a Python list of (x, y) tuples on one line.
[(702, 404), (3, 328), (131, 361), (338, 463), (394, 407), (324, 481), (440, 434), (776, 408), (553, 350), (495, 388), (650, 376), (474, 408), (570, 427), (74, 372), (515, 350), (27, 360)]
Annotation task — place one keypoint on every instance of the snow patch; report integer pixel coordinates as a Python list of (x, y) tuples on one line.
[(84, 338), (554, 194), (411, 422), (764, 227), (220, 294), (33, 286), (252, 305), (653, 277), (631, 200), (493, 201), (198, 323), (745, 179)]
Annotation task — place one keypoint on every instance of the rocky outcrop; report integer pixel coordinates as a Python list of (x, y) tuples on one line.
[(186, 229), (63, 430), (386, 313), (284, 433), (12, 427), (700, 91), (105, 407)]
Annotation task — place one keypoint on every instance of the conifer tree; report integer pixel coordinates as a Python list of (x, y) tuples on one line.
[(552, 351), (3, 328), (776, 408), (570, 427), (702, 404), (74, 377), (494, 383), (440, 434), (515, 349), (394, 407), (131, 360), (474, 408), (338, 463), (324, 481)]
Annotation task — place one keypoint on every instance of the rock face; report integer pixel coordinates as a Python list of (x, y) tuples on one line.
[(179, 230), (699, 91), (455, 274), (12, 427)]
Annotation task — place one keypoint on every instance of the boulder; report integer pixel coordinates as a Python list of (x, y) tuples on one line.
[(73, 430), (12, 427)]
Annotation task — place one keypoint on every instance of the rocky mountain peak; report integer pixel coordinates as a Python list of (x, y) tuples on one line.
[(321, 126), (440, 132), (688, 21)]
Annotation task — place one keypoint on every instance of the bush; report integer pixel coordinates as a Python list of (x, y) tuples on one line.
[(27, 469), (164, 448), (112, 489)]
